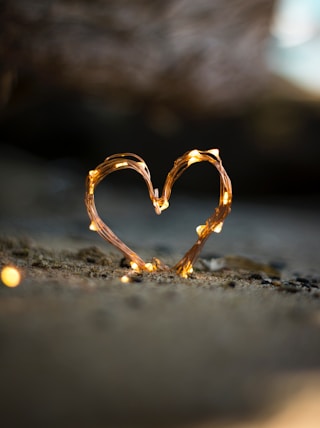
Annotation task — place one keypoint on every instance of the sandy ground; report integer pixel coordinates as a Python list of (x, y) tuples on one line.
[(233, 347)]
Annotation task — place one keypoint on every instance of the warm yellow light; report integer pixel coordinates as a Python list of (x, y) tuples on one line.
[(125, 278), (194, 156), (149, 267), (93, 227), (160, 202), (192, 160), (142, 165), (218, 227), (200, 229), (93, 173), (186, 270), (160, 206), (10, 276), (121, 164), (164, 205), (194, 153), (225, 199), (134, 266), (215, 152)]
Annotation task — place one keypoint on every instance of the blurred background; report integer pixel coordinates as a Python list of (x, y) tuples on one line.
[(81, 80)]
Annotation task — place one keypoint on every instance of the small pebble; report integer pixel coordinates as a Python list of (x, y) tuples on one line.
[(124, 263), (213, 264), (132, 277), (40, 263), (255, 276), (303, 280), (277, 264), (290, 287), (21, 252), (226, 285)]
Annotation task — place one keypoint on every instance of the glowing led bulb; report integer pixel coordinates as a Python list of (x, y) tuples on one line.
[(134, 266), (200, 229), (215, 152), (218, 227), (121, 164), (149, 267), (226, 198), (194, 156), (93, 173), (93, 227)]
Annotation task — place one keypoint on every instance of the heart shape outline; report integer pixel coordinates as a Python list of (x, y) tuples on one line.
[(214, 223)]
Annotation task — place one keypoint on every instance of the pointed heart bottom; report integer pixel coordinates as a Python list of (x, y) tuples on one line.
[(122, 161)]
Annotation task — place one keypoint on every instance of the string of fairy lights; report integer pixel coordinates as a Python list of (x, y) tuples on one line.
[(214, 223)]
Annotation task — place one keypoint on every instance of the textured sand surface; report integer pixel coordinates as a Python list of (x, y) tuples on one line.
[(234, 347)]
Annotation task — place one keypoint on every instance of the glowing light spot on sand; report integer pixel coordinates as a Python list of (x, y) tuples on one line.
[(134, 266), (10, 276), (149, 267)]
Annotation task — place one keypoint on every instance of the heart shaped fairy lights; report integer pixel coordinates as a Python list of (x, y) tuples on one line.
[(214, 223)]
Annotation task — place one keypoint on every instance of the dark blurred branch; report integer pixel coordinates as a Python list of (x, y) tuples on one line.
[(190, 56)]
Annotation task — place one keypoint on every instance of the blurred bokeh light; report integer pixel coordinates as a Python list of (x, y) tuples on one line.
[(294, 51)]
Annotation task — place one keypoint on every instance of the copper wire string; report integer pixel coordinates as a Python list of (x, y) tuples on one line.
[(214, 223)]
